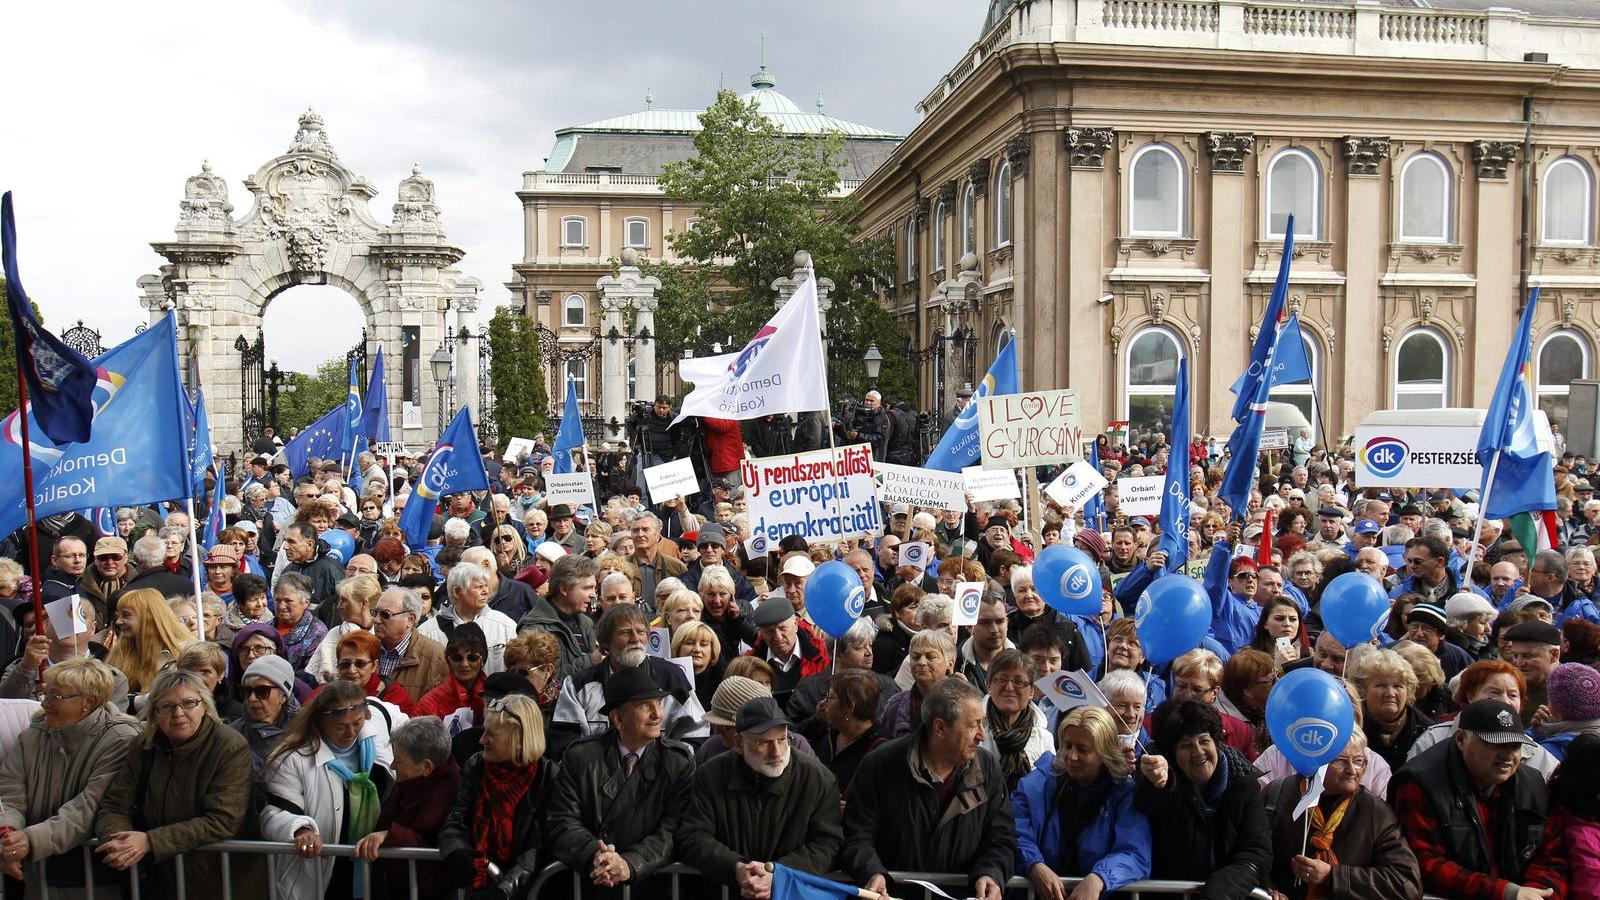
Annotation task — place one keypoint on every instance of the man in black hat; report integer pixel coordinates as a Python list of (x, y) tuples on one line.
[(792, 651), (621, 793), (711, 549), (561, 530), (1534, 647), (1473, 812), (721, 492), (1426, 624), (760, 804)]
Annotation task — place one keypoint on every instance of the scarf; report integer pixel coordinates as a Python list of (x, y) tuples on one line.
[(1323, 826), (1076, 807), (1011, 744), (494, 821), (362, 794)]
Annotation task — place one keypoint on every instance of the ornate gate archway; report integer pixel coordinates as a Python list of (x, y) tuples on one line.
[(310, 225)]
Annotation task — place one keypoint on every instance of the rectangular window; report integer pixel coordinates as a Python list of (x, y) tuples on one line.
[(572, 233), (411, 351), (638, 233)]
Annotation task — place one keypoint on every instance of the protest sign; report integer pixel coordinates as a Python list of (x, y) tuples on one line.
[(1274, 439), (518, 448), (968, 595), (914, 554), (1140, 496), (1427, 448), (66, 616), (671, 479), (821, 495), (985, 484), (756, 545), (1040, 428), (661, 641), (918, 487), (1075, 485), (572, 488)]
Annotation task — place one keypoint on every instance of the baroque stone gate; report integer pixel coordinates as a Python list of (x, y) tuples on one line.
[(310, 225)]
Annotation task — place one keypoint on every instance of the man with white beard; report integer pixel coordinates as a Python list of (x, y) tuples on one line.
[(759, 804), (624, 635)]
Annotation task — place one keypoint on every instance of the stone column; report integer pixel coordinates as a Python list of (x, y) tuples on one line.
[(1033, 366), (786, 286), (1232, 234), (959, 299), (1360, 392), (629, 288), (1497, 270), (464, 298), (1090, 320), (613, 357)]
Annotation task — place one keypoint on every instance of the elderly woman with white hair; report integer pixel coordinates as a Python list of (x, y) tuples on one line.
[(851, 651), (1125, 699), (468, 589), (932, 658), (1583, 589)]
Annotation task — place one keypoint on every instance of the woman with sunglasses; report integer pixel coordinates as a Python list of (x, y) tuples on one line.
[(267, 688), (465, 653), (325, 783), (510, 550), (359, 652)]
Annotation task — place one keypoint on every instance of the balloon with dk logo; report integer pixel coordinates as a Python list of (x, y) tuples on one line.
[(1310, 718), (1355, 608), (835, 597), (1068, 579), (1173, 614), (341, 546)]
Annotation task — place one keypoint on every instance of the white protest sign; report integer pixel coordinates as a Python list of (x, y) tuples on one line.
[(1427, 448), (1140, 496), (968, 595), (1070, 690), (686, 663), (986, 484), (1075, 485), (661, 641), (459, 721), (822, 495), (572, 488), (1274, 439), (914, 486), (66, 616), (671, 479), (1039, 428), (915, 555), (517, 448)]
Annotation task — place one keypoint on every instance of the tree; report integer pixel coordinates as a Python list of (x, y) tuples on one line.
[(9, 398), (315, 394), (516, 375), (762, 196)]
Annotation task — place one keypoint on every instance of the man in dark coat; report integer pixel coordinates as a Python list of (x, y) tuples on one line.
[(621, 793), (307, 555), (933, 801), (762, 803)]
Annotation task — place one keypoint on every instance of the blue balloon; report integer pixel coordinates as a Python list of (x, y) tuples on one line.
[(1173, 614), (1310, 718), (341, 546), (1354, 608), (1068, 580), (835, 597)]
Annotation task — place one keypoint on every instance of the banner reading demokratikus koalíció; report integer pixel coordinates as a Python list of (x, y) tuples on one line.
[(821, 495)]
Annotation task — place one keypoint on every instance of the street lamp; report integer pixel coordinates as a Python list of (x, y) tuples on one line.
[(440, 362), (278, 381), (873, 360)]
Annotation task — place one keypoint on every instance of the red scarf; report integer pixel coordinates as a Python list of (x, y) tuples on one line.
[(494, 822)]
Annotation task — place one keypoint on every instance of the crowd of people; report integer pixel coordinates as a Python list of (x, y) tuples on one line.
[(624, 687)]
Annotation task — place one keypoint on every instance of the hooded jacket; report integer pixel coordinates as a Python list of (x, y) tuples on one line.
[(1229, 850), (1115, 845)]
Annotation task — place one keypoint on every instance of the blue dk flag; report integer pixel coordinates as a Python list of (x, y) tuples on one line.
[(1094, 509), (1175, 489), (213, 530), (1524, 475), (569, 439), (455, 465), (200, 456), (61, 383), (958, 448), (1289, 362), (1250, 407)]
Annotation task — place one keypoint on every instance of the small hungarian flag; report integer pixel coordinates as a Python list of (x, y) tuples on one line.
[(1535, 530), (1264, 552)]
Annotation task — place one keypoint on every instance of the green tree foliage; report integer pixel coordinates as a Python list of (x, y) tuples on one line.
[(314, 394), (516, 375), (762, 196), (8, 360)]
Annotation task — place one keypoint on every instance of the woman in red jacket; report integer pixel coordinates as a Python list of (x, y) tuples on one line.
[(358, 655), (725, 444)]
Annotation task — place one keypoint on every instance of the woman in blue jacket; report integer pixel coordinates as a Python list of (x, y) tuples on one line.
[(1075, 815)]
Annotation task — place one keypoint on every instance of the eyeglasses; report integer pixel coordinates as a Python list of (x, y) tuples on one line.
[(53, 697), (343, 711), (1013, 684), (384, 615), (1417, 560), (253, 652), (109, 557), (1245, 576), (259, 691), (187, 705), (1349, 764), (354, 664), (506, 539), (465, 657)]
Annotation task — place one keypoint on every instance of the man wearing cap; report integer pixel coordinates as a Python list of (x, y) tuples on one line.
[(1474, 814), (1231, 585), (792, 651), (562, 530), (101, 581), (1427, 624), (760, 804), (1534, 647), (795, 571), (1330, 530), (221, 565), (711, 544), (721, 492), (1427, 571), (933, 801), (1365, 533), (621, 792)]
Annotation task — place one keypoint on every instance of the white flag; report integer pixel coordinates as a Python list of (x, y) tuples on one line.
[(779, 371), (1070, 690)]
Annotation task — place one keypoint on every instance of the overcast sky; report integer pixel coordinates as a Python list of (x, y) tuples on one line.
[(111, 107)]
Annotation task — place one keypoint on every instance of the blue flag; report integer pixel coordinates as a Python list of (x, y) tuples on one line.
[(569, 439), (1094, 509), (61, 383), (1524, 477), (958, 448), (352, 419), (455, 465), (1289, 362), (322, 439), (1175, 490), (1250, 407), (200, 456), (793, 884), (375, 412), (138, 451), (213, 530)]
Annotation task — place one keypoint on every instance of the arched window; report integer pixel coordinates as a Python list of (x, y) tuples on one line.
[(1002, 205), (1150, 380), (637, 233), (1294, 186), (939, 212), (1001, 336), (572, 231), (911, 247), (1156, 192), (1567, 200), (1300, 395), (1422, 372), (574, 310), (969, 233), (1425, 199), (578, 374), (1563, 358)]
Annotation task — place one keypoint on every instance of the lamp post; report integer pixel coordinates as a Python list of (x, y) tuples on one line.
[(278, 381), (440, 362), (873, 361)]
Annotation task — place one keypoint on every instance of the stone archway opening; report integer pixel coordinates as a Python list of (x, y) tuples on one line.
[(339, 323)]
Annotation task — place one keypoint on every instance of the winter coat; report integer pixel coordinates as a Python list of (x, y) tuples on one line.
[(1375, 862), (638, 814), (1115, 845), (528, 832), (451, 696), (498, 630), (725, 444), (302, 640), (1041, 742), (735, 815), (1230, 851), (422, 668), (575, 650), (412, 815), (1581, 837), (325, 573), (262, 736), (51, 783), (577, 713), (894, 821)]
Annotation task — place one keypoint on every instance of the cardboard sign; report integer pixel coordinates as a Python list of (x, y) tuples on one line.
[(670, 480), (821, 495), (969, 594), (985, 484), (915, 554), (1034, 429), (1274, 439), (572, 488), (1076, 485), (1140, 496), (517, 448), (918, 487)]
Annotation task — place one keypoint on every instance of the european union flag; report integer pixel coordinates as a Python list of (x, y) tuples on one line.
[(1524, 479), (61, 383), (138, 452), (455, 465), (958, 448), (1175, 489), (322, 439), (1250, 407), (570, 438), (375, 412)]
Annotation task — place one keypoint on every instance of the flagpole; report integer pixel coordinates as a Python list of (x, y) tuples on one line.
[(833, 454), (194, 570), (1483, 512), (33, 523)]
